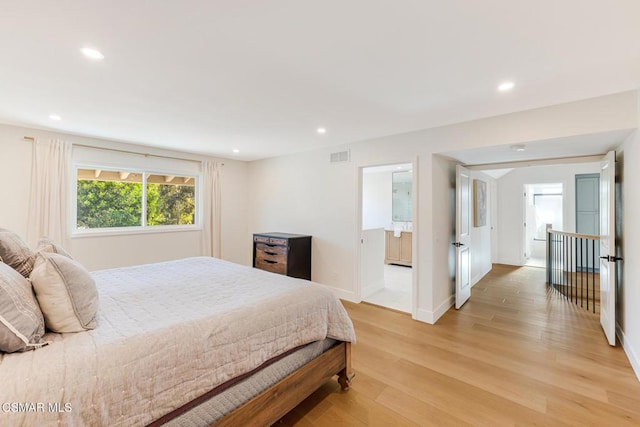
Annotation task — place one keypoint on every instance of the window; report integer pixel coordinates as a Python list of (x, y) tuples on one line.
[(117, 199), (170, 200)]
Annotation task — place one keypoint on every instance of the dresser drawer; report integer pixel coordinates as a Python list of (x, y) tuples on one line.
[(272, 240), (270, 249), (271, 256), (270, 265), (277, 241)]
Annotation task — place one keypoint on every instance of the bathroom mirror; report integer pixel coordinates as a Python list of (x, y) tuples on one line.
[(401, 197)]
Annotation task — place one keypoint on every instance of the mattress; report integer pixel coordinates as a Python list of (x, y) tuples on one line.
[(233, 397), (167, 333)]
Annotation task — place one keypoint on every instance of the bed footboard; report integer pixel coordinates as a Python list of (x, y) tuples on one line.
[(276, 401)]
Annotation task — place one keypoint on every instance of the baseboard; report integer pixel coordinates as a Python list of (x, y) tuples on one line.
[(628, 349), (425, 316), (432, 317), (479, 277), (372, 289), (513, 262), (342, 294)]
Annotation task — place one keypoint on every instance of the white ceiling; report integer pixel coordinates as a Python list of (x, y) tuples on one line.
[(555, 148), (260, 76)]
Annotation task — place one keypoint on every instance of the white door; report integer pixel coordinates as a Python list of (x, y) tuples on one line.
[(608, 247), (463, 236)]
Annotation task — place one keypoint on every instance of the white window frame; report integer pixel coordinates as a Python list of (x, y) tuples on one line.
[(141, 229)]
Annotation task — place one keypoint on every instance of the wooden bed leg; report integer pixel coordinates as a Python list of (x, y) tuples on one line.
[(346, 375)]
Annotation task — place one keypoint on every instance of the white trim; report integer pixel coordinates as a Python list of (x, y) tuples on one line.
[(425, 316), (510, 261), (342, 294), (123, 231), (628, 349), (414, 229), (479, 276), (143, 212), (541, 162), (372, 289), (432, 317)]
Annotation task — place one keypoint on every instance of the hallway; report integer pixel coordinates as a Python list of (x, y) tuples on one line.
[(515, 354)]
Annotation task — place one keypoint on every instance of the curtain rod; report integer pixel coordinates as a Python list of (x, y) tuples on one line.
[(32, 139)]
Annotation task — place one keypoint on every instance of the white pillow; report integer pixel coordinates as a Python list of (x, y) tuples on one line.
[(66, 293)]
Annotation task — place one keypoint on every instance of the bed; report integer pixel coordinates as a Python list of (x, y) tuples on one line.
[(186, 342)]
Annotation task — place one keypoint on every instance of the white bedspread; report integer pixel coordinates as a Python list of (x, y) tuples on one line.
[(166, 334)]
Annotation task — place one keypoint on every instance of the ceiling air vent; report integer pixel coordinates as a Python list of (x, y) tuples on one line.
[(341, 156)]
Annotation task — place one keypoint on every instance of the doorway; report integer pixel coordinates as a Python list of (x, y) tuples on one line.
[(543, 208), (387, 225)]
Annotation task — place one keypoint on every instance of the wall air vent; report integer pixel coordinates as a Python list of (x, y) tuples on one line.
[(341, 156)]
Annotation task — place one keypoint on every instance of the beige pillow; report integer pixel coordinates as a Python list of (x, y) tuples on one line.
[(66, 293), (15, 252), (21, 322), (45, 244)]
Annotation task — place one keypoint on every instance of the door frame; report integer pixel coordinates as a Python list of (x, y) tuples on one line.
[(415, 227), (525, 192)]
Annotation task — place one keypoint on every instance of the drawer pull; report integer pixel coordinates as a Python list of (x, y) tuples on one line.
[(270, 253), (268, 261)]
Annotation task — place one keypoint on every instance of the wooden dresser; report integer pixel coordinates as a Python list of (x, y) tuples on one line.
[(283, 253)]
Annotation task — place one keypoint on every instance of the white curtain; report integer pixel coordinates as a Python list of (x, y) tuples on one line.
[(211, 212), (48, 204)]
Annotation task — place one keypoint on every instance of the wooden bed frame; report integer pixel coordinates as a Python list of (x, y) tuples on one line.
[(272, 404)]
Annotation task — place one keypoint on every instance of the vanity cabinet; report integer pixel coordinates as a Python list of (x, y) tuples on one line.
[(398, 250)]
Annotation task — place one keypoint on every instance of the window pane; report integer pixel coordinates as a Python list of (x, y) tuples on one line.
[(109, 199), (170, 200)]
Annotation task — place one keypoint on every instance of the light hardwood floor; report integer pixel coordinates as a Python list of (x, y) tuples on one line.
[(515, 354)]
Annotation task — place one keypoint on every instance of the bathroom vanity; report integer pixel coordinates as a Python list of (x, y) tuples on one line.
[(398, 250)]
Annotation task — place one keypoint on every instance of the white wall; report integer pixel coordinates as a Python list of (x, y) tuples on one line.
[(442, 220), (627, 247), (372, 261), (113, 251), (481, 236), (376, 200), (494, 221), (305, 193), (511, 203)]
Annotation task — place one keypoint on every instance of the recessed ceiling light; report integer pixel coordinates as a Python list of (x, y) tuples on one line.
[(321, 130), (55, 117), (506, 86), (235, 150), (92, 53), (518, 147)]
